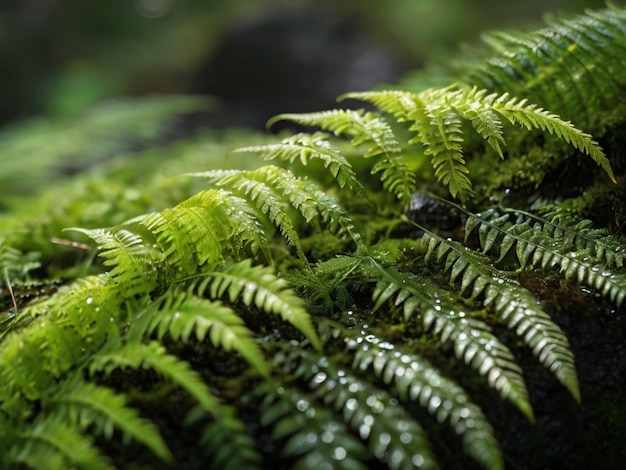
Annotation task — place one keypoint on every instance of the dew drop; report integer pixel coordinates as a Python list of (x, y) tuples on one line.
[(339, 453), (319, 377), (364, 431)]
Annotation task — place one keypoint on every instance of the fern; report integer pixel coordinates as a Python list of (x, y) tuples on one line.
[(334, 319), (154, 356), (436, 115), (598, 243), (132, 260), (574, 67), (370, 129), (305, 147), (50, 444), (257, 285), (90, 406), (417, 380), (532, 245), (226, 441), (274, 190), (391, 433), (516, 307), (311, 436), (194, 232), (182, 316), (472, 339)]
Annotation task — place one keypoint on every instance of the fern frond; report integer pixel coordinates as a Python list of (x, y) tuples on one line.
[(532, 117), (274, 190), (436, 115), (416, 380), (255, 186), (243, 226), (53, 444), (574, 67), (308, 432), (226, 442), (531, 245), (184, 316), (473, 341), (304, 147), (365, 128), (134, 262), (393, 436), (598, 243), (259, 286), (194, 232), (154, 356), (516, 306), (22, 369), (87, 405), (87, 305)]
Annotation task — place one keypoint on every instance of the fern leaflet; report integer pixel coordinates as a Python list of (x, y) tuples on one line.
[(532, 245), (366, 128), (417, 380), (435, 116), (517, 307), (393, 436), (304, 147), (259, 286), (86, 404), (186, 315), (473, 341)]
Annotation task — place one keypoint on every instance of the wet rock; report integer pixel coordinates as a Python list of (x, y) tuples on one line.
[(288, 59)]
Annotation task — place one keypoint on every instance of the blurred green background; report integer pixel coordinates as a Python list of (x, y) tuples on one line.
[(260, 57)]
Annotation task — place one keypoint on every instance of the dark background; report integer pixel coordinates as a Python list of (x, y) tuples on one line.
[(259, 57)]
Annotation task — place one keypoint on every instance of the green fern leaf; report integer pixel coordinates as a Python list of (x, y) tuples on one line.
[(365, 128), (259, 286), (418, 381), (601, 246), (286, 190), (573, 67), (473, 341), (435, 116), (530, 116), (308, 432), (515, 305), (268, 200), (60, 443), (193, 233), (393, 436), (85, 405), (153, 356), (22, 369), (189, 315), (226, 441), (531, 245), (437, 129), (305, 147), (134, 261)]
